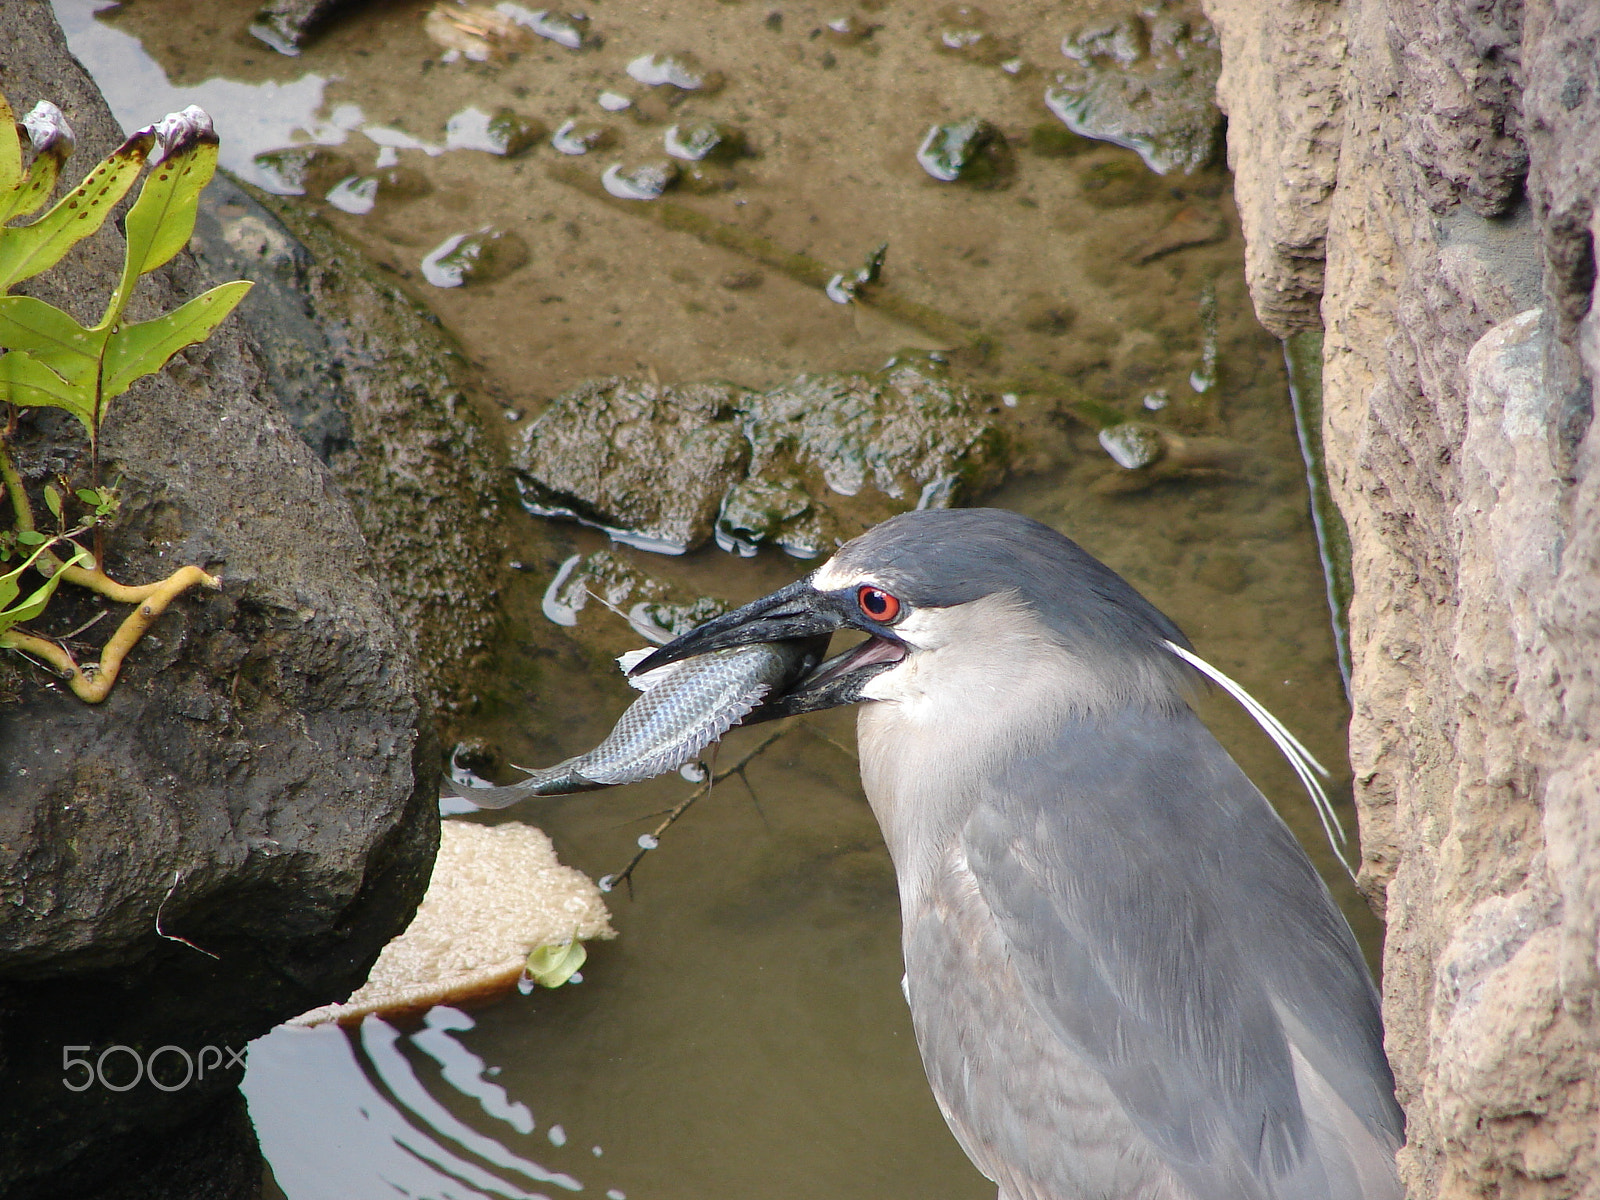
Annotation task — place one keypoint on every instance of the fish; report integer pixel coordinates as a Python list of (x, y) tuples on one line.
[(686, 706)]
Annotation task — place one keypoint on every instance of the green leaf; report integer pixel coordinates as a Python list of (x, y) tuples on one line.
[(142, 349), (26, 381), (10, 150), (90, 496), (551, 966), (52, 337), (28, 196), (30, 249), (161, 220), (30, 537), (52, 500), (35, 603)]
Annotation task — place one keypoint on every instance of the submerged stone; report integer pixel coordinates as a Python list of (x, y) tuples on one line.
[(580, 137), (973, 151), (645, 462), (285, 25), (477, 32), (833, 455), (1118, 184), (564, 29), (303, 170), (848, 30), (359, 194), (806, 466), (681, 70), (964, 31), (1146, 82), (654, 609), (1132, 444), (643, 182), (504, 132), (694, 141), (480, 257)]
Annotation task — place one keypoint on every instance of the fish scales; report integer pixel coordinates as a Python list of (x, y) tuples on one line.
[(687, 706)]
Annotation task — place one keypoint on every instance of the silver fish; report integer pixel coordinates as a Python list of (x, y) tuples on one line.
[(685, 707)]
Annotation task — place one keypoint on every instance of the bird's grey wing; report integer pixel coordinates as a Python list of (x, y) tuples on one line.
[(1166, 928)]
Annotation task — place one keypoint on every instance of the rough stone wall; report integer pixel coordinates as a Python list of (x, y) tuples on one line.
[(1462, 346)]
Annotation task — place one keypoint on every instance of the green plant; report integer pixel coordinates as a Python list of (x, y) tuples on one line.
[(50, 360)]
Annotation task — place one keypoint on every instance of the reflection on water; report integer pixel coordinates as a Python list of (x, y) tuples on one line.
[(746, 1035), (249, 117), (379, 1114)]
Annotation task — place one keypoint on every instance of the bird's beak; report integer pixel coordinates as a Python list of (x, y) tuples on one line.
[(796, 612)]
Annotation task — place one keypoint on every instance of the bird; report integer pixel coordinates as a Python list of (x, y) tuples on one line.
[(1126, 978)]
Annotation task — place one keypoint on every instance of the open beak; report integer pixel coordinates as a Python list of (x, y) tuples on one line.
[(796, 612)]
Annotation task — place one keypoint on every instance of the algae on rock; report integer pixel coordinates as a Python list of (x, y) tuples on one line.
[(646, 462), (1146, 82), (805, 466)]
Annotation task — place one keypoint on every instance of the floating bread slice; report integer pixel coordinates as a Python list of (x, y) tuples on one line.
[(498, 893)]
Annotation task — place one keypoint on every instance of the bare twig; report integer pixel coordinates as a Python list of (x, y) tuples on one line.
[(94, 620), (834, 742), (172, 937), (609, 882)]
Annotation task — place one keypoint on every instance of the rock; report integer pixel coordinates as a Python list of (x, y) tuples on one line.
[(383, 396), (478, 33), (498, 893), (1052, 140), (1458, 382), (964, 31), (972, 151), (644, 181), (1146, 82), (805, 466), (504, 132), (682, 70), (1282, 87), (480, 257), (858, 448), (304, 170), (1132, 444), (848, 30), (359, 194), (259, 786), (648, 464), (563, 28), (579, 137), (652, 608), (286, 25), (695, 141), (1117, 183)]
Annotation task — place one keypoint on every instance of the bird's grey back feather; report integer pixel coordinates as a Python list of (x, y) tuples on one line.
[(1173, 954)]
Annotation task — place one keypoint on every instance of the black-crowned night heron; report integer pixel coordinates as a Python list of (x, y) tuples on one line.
[(1125, 976)]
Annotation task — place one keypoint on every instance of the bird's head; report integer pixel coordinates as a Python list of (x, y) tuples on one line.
[(959, 603)]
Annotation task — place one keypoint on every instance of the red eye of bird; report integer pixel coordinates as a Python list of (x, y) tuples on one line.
[(878, 604)]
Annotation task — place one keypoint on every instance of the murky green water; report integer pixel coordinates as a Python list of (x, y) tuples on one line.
[(745, 1035)]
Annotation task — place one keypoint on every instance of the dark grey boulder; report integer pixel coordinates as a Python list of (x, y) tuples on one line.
[(236, 832), (382, 394)]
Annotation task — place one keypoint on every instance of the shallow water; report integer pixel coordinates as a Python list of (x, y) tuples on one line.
[(745, 1035)]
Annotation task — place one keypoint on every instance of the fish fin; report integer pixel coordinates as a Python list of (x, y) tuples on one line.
[(649, 679)]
